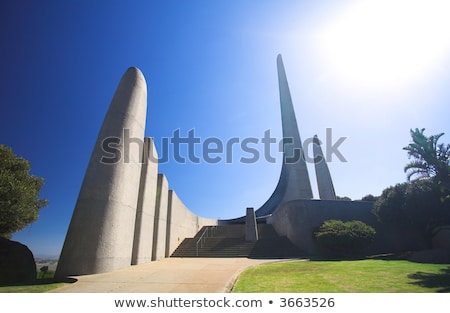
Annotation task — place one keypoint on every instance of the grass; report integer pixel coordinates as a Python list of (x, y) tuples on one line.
[(368, 276), (43, 283), (38, 286)]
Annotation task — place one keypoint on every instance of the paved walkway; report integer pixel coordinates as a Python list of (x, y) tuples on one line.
[(178, 275)]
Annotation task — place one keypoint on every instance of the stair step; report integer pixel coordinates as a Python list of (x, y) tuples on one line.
[(229, 241)]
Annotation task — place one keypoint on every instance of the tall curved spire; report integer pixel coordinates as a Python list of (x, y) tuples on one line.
[(298, 183), (323, 176), (294, 180)]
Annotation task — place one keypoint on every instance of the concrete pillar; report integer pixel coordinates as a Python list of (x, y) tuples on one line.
[(145, 214), (160, 223), (100, 234), (251, 228), (323, 176)]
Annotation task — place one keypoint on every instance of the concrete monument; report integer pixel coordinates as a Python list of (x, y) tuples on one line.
[(99, 237), (126, 214)]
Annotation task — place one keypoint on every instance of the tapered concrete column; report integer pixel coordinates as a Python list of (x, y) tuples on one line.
[(160, 223), (251, 228), (100, 234), (323, 176), (145, 215), (297, 183)]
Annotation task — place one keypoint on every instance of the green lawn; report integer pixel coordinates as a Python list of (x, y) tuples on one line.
[(346, 276), (41, 285)]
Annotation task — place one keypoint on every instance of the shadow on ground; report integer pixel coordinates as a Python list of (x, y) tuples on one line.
[(42, 281), (433, 280)]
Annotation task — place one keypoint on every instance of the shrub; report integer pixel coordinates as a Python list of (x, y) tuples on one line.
[(344, 238)]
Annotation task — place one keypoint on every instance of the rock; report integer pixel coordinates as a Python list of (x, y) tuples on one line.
[(17, 263)]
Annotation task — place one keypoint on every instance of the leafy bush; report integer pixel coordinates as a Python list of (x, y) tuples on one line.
[(344, 238)]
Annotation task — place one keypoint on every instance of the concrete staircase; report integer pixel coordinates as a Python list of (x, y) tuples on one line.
[(229, 241)]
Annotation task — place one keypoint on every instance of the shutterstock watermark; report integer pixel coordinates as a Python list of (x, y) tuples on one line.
[(193, 149)]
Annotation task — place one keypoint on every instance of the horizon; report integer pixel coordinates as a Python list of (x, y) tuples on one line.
[(211, 68)]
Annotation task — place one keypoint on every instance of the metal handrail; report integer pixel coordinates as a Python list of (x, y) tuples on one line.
[(202, 239)]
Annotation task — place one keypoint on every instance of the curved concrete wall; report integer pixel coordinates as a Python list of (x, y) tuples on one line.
[(125, 213), (182, 223), (299, 218)]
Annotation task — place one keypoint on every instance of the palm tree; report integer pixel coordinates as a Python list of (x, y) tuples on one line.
[(430, 159)]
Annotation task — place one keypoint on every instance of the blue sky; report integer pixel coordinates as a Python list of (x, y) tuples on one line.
[(369, 70)]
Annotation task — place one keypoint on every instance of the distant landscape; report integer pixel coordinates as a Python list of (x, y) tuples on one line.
[(50, 262)]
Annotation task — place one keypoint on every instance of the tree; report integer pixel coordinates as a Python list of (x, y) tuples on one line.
[(417, 204), (369, 197), (430, 159), (423, 201), (344, 198), (19, 191), (412, 203)]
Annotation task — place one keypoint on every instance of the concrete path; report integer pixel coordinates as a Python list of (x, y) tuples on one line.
[(177, 275)]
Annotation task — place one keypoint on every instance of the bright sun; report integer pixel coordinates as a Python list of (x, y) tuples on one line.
[(386, 42)]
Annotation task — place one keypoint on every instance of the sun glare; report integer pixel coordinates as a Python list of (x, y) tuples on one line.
[(386, 43)]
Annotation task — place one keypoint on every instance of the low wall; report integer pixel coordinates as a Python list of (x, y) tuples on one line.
[(182, 223), (299, 218)]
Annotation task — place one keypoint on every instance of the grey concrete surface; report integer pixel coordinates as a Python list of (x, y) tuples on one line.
[(171, 275), (101, 231), (297, 220), (182, 223)]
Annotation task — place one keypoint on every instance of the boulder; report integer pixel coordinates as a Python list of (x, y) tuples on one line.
[(17, 263)]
